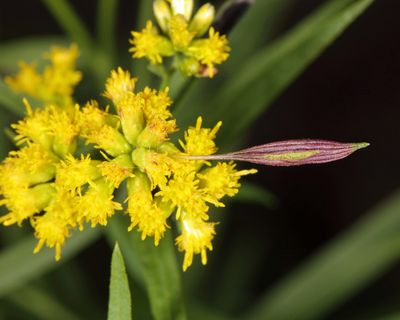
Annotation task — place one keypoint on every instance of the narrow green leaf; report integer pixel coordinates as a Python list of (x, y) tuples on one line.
[(68, 19), (339, 271), (261, 21), (18, 265), (119, 303), (156, 265), (40, 304)]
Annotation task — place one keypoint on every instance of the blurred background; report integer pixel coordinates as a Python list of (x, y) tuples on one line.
[(350, 93)]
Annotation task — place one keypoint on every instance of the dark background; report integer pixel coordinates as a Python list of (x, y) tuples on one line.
[(349, 94)]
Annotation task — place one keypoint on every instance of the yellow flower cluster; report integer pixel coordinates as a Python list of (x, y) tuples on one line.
[(55, 84), (182, 38), (49, 182)]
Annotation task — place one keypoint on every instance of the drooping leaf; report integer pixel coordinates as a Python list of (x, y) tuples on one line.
[(119, 303), (41, 304), (338, 271), (18, 265)]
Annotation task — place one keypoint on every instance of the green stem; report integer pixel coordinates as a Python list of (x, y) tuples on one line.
[(71, 23), (106, 27)]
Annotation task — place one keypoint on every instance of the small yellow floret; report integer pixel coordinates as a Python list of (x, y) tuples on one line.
[(53, 227), (73, 173), (148, 43), (150, 219), (23, 203), (117, 170), (179, 32), (184, 193), (97, 204), (118, 85), (222, 179), (200, 141), (57, 81), (27, 80), (210, 51), (196, 238)]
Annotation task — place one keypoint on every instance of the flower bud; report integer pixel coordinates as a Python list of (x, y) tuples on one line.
[(202, 20), (189, 67), (162, 13), (290, 153), (140, 182), (132, 118), (183, 7)]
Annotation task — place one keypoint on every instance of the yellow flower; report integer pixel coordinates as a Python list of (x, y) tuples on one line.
[(210, 51), (179, 32), (23, 203), (200, 141), (118, 85), (52, 228), (196, 238), (56, 129), (194, 56), (97, 204), (57, 81), (73, 173), (222, 179), (59, 189), (148, 43), (147, 214), (117, 170)]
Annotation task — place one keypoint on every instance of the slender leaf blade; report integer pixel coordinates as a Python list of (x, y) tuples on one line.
[(33, 300), (339, 271), (18, 265), (156, 267), (119, 304)]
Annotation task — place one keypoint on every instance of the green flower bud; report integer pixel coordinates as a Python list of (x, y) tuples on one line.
[(189, 67), (162, 13), (202, 20), (132, 120)]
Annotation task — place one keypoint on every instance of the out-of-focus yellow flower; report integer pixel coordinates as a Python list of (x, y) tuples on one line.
[(182, 38), (56, 83)]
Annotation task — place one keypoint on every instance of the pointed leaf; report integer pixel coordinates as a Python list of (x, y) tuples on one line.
[(18, 265), (339, 271), (119, 303), (155, 266)]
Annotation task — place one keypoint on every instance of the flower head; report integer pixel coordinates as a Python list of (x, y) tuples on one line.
[(59, 184), (182, 38)]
